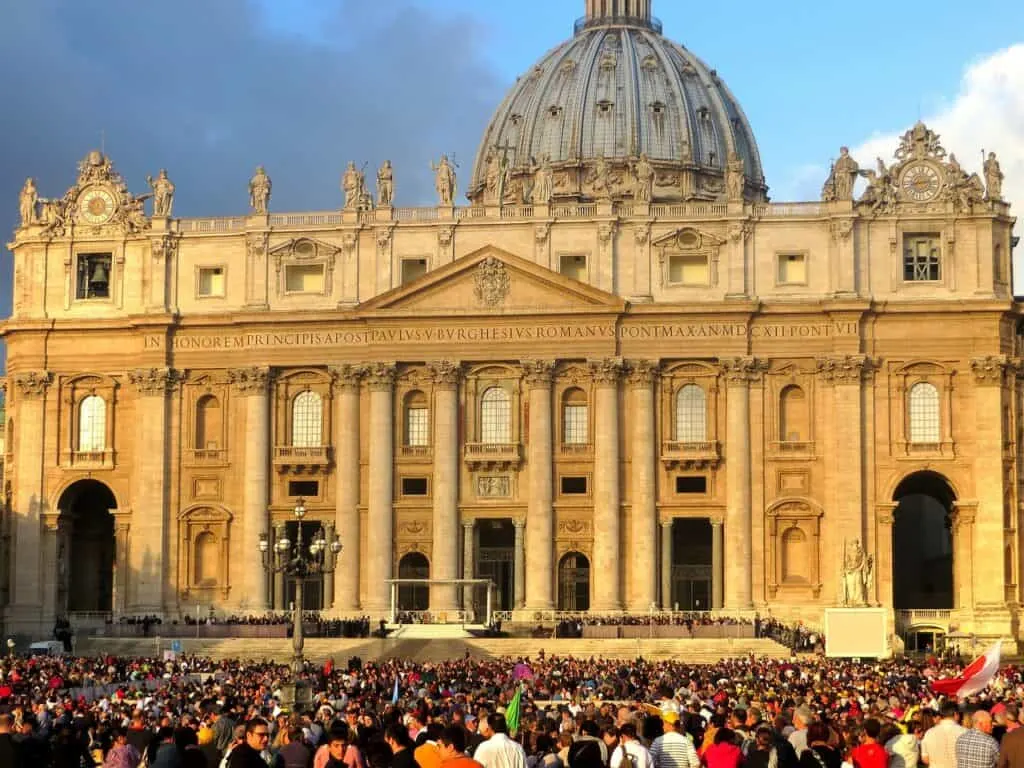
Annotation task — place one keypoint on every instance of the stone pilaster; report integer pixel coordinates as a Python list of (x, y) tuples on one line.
[(666, 565), (606, 567), (468, 566), (540, 517), (519, 565), (279, 585), (29, 501), (845, 454), (644, 518), (253, 385), (329, 533), (988, 537), (739, 373), (346, 490), (147, 553), (883, 536), (445, 550), (717, 561), (964, 562), (380, 378)]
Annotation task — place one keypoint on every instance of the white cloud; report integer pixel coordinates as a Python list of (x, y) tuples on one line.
[(987, 113)]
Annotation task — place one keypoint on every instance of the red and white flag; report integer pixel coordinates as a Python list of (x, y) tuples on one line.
[(974, 678)]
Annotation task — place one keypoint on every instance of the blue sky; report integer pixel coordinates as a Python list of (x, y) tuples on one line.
[(211, 88)]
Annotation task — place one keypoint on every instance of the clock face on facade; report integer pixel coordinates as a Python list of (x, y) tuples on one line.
[(921, 183), (96, 205)]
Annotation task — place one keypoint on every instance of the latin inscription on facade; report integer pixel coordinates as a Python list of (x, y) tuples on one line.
[(652, 331)]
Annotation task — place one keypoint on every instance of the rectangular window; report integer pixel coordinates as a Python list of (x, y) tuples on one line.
[(93, 276), (211, 281), (691, 484), (414, 486), (304, 278), (921, 258), (575, 427), (574, 486), (792, 269), (573, 266), (417, 430), (413, 269), (305, 488), (688, 269)]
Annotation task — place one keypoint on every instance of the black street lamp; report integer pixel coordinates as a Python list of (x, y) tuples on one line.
[(301, 562)]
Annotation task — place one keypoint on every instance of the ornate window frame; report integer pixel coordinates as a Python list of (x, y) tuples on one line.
[(195, 389), (777, 382), (479, 455), (573, 377), (677, 454), (192, 522), (902, 380), (409, 382), (302, 460), (693, 242), (303, 251), (74, 390), (784, 515)]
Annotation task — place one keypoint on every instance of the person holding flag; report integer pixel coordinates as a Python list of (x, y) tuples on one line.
[(499, 751)]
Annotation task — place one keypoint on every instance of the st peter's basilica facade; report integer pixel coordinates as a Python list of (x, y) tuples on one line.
[(619, 379)]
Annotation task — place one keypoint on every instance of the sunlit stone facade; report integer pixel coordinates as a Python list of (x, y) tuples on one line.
[(619, 380)]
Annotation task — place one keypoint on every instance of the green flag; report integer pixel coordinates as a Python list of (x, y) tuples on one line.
[(512, 711)]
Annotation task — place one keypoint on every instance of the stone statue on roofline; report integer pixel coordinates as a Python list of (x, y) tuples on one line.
[(163, 193), (839, 185), (993, 178), (385, 185), (259, 192), (28, 201), (444, 181)]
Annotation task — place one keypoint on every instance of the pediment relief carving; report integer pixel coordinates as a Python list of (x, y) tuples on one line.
[(206, 515), (794, 509), (922, 368), (688, 240), (304, 250), (689, 369)]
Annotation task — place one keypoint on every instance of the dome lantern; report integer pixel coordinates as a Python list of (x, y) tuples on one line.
[(617, 11)]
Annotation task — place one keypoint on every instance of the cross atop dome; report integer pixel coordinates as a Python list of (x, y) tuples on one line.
[(613, 11)]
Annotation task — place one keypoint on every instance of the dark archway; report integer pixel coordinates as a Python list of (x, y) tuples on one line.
[(495, 560), (922, 543), (691, 564), (574, 582), (86, 550), (413, 597)]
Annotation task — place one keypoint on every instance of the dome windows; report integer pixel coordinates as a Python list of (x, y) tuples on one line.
[(604, 107)]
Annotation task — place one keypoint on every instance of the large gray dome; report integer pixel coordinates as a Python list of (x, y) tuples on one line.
[(618, 88)]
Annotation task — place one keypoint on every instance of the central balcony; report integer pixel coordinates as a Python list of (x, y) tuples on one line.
[(676, 454), (302, 460), (492, 455)]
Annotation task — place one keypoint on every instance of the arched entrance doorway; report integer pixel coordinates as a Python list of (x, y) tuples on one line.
[(495, 558), (85, 548), (574, 582), (413, 597), (922, 543), (691, 564)]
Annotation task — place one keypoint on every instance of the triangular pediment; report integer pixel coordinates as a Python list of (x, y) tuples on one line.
[(688, 239), (488, 281)]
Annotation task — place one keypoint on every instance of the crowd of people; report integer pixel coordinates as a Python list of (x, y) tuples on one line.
[(805, 712), (314, 623)]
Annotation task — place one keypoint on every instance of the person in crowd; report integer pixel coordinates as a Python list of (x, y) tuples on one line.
[(249, 753), (938, 746), (673, 749), (976, 748), (498, 751)]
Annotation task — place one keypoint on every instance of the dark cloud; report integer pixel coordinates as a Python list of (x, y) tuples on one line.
[(209, 90)]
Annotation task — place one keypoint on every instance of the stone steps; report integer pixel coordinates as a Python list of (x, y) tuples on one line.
[(693, 651)]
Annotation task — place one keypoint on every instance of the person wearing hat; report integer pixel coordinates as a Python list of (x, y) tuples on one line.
[(673, 749)]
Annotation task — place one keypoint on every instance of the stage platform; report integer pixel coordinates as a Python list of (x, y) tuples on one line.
[(697, 651)]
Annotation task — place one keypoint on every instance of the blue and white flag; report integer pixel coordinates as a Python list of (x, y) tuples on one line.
[(394, 694)]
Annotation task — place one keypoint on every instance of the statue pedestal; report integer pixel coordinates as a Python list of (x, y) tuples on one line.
[(296, 695), (857, 633)]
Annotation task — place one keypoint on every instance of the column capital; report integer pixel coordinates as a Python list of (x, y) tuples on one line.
[(153, 381), (717, 522), (32, 384), (250, 381), (848, 369), (445, 373), (468, 524), (989, 370), (964, 513), (538, 373), (381, 376), (884, 512), (519, 523), (346, 377), (642, 373), (743, 370), (666, 523), (606, 372)]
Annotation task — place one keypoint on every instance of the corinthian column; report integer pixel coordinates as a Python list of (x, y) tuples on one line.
[(644, 528), (445, 550), (738, 534), (29, 506), (147, 554), (380, 379), (606, 567), (540, 517), (346, 490), (253, 385)]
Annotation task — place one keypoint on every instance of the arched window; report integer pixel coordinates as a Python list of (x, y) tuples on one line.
[(691, 414), (495, 417), (574, 417), (92, 424), (307, 420), (417, 420), (205, 559), (924, 413), (794, 419), (208, 423), (795, 556)]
